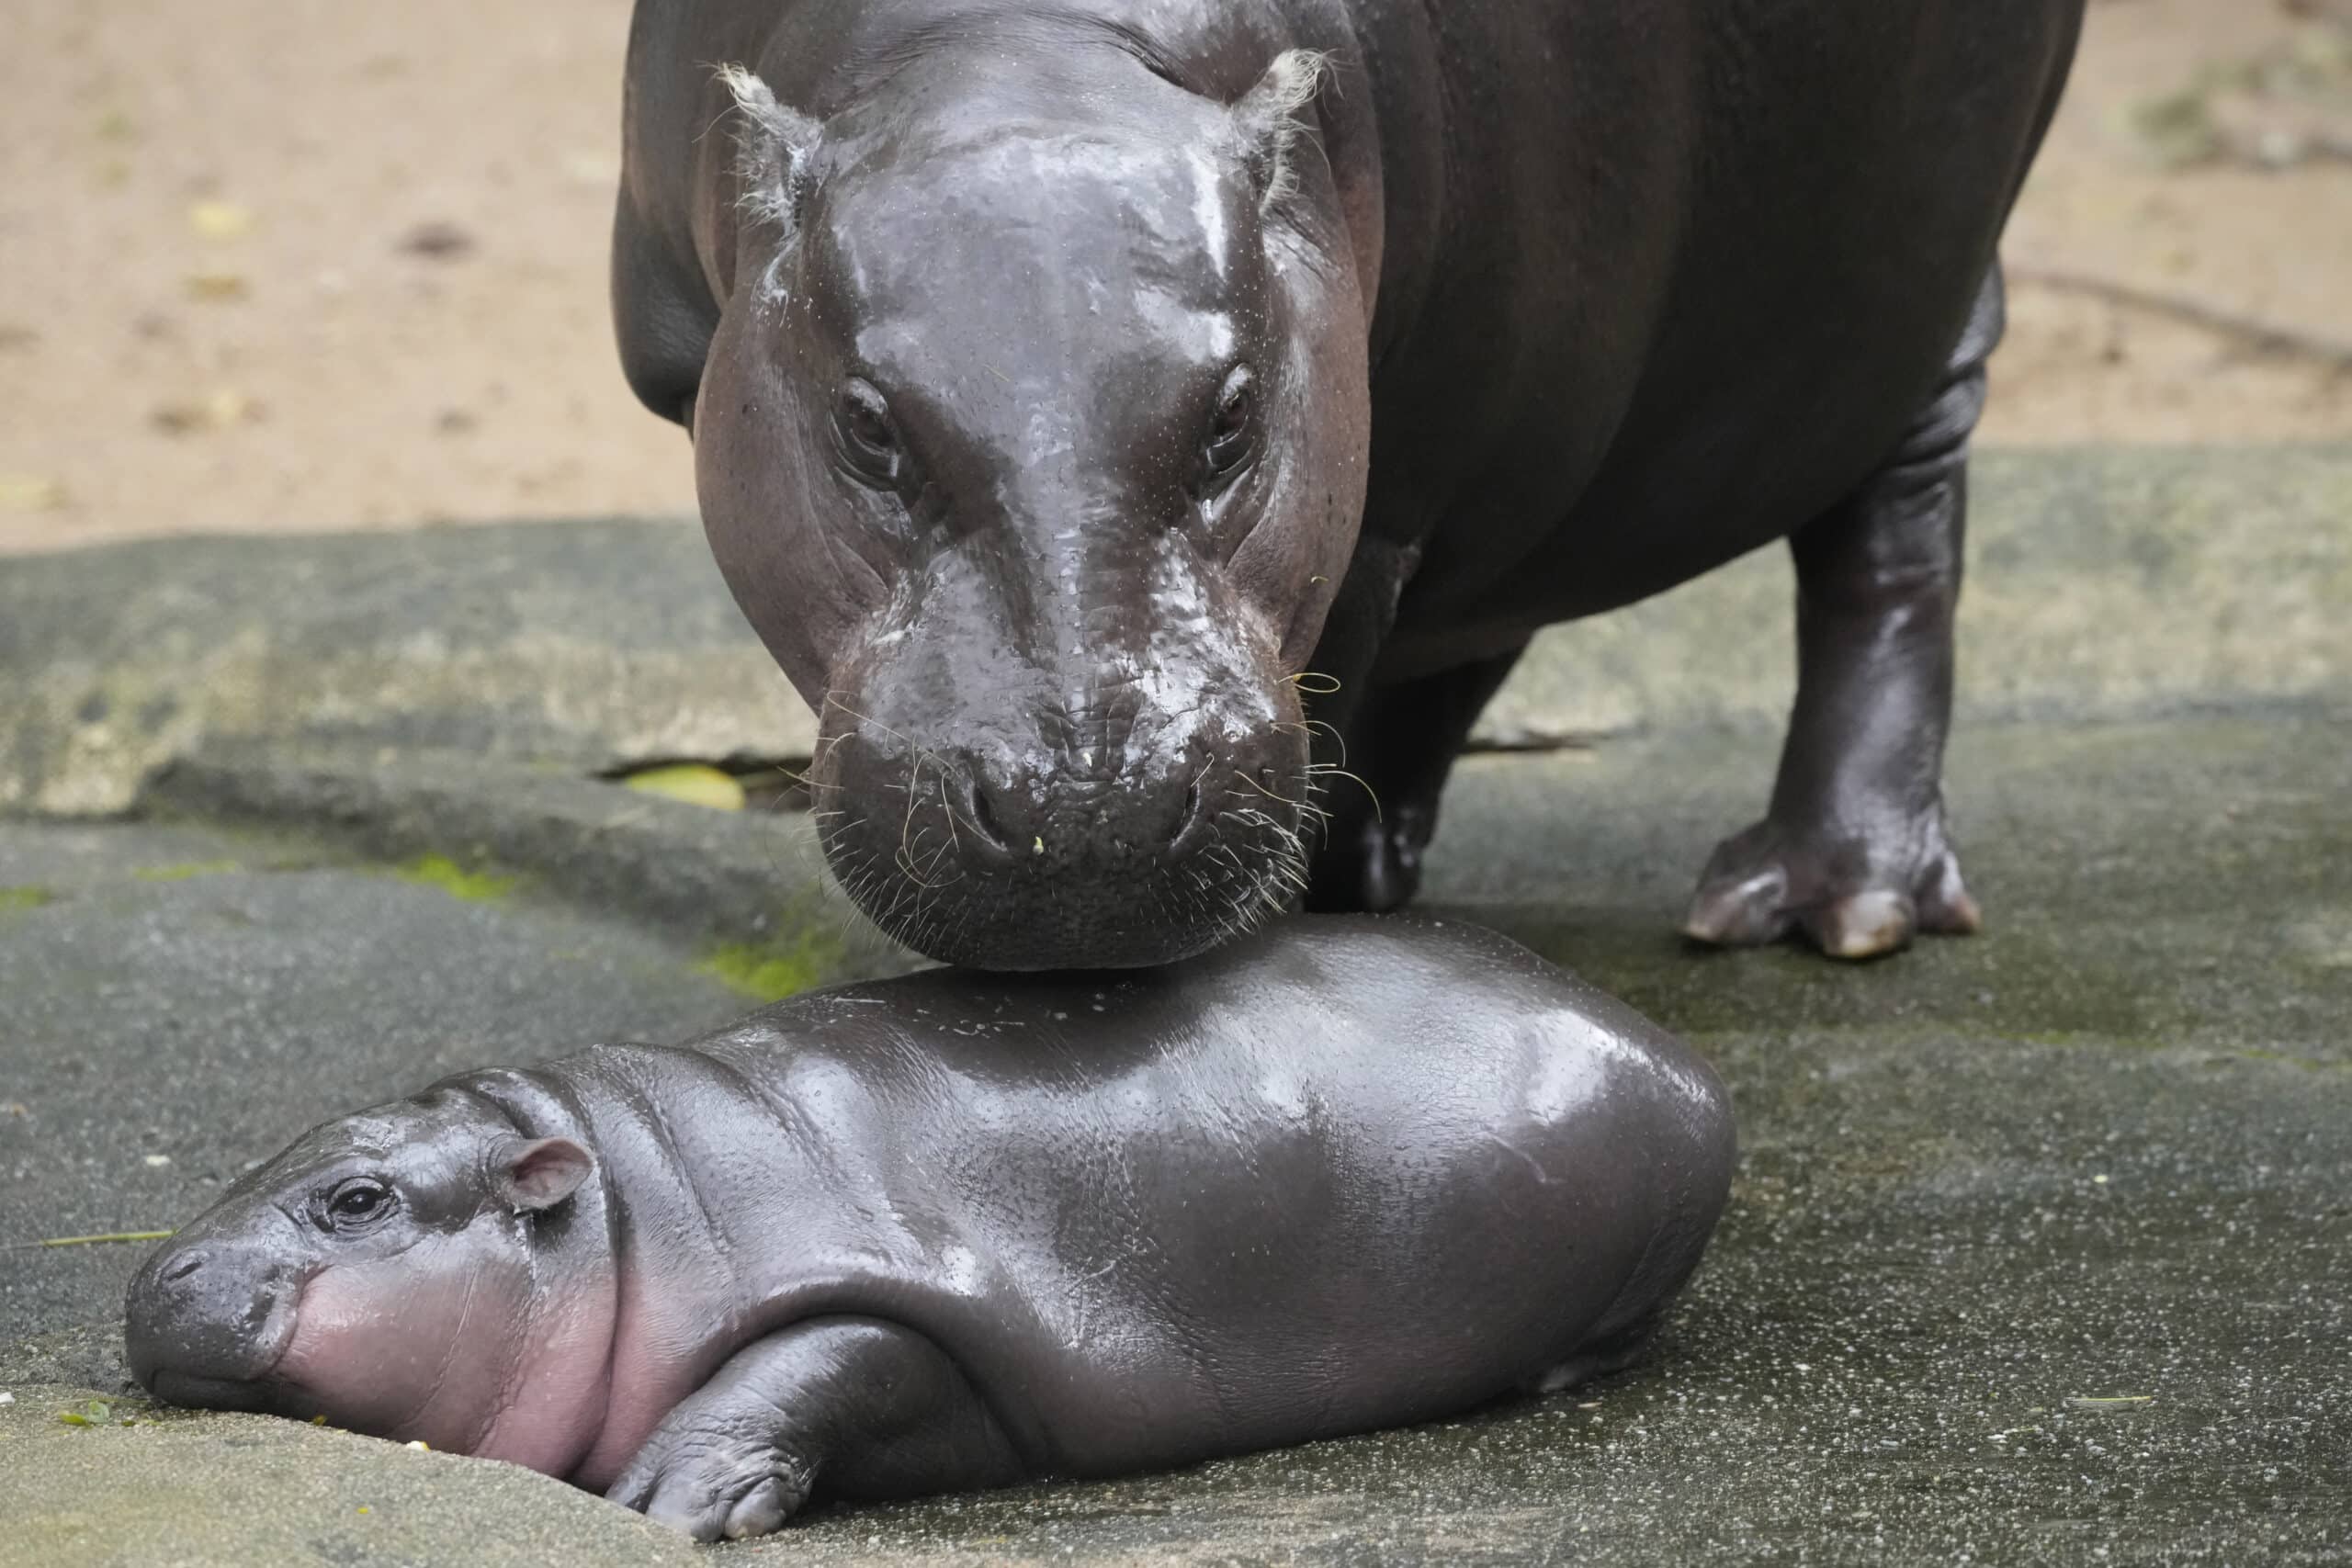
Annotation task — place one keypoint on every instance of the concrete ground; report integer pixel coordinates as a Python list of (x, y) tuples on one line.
[(2041, 1247)]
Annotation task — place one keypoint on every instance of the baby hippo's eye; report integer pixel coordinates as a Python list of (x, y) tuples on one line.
[(356, 1203)]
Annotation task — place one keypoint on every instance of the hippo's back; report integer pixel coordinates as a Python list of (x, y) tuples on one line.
[(1345, 1173)]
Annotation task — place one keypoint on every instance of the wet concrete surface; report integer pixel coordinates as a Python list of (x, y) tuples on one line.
[(2101, 583), (2040, 1249), (182, 1002)]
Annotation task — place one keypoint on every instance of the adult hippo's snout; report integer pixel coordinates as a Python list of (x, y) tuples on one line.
[(1066, 790)]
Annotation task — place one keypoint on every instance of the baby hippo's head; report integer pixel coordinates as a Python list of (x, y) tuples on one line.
[(388, 1272)]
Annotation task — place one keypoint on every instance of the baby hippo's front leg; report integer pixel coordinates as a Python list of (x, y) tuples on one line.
[(865, 1409)]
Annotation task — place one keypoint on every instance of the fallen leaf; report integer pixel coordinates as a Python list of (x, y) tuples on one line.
[(220, 220), (696, 784), (586, 168), (30, 492), (217, 287), (2177, 130), (222, 410), (438, 241)]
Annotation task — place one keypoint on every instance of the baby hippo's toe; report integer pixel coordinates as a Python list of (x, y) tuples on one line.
[(712, 1485)]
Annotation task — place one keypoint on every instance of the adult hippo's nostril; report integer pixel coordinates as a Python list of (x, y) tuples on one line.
[(1014, 853), (979, 815)]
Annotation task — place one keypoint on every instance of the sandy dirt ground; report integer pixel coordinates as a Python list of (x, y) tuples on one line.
[(293, 265)]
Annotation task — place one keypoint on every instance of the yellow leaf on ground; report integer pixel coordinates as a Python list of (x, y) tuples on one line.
[(220, 220), (696, 784), (223, 409), (30, 492), (216, 287)]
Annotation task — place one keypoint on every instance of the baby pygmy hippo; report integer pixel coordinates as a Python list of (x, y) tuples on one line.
[(953, 1230)]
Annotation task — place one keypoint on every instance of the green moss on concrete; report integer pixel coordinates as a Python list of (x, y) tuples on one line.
[(12, 899), (769, 972), (187, 870), (481, 886)]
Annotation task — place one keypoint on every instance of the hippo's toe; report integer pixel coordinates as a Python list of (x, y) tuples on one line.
[(712, 1485), (1851, 895)]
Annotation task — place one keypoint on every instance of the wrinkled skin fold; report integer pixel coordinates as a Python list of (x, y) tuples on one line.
[(1148, 435), (954, 1231)]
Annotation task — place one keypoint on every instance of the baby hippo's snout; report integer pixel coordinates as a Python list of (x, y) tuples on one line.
[(208, 1321)]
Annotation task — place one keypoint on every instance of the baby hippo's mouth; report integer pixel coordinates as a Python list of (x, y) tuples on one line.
[(198, 1391), (207, 1323)]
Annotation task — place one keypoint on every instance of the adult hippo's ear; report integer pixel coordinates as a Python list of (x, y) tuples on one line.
[(776, 147), (534, 1174), (1270, 117)]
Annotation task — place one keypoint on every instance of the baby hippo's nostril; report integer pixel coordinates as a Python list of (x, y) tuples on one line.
[(185, 1266)]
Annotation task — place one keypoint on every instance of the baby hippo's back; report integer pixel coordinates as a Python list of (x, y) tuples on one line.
[(1345, 1174)]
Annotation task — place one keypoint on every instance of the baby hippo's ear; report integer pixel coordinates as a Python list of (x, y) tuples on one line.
[(531, 1174)]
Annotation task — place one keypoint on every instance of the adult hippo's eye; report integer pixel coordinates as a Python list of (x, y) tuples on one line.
[(869, 442), (356, 1204), (1233, 432)]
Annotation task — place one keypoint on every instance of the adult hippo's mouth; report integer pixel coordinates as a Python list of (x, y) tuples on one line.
[(1077, 855)]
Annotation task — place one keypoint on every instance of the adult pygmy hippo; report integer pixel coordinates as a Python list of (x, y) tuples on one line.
[(1070, 379), (940, 1233)]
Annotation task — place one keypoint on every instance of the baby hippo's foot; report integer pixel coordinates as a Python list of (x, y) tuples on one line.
[(715, 1473), (877, 1408), (1853, 895)]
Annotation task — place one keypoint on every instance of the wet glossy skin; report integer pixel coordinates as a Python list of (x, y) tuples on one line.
[(949, 1232), (1561, 302)]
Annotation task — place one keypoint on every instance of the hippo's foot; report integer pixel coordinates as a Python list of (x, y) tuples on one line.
[(715, 1474), (877, 1409), (1372, 864), (1853, 852), (1850, 897), (1381, 787)]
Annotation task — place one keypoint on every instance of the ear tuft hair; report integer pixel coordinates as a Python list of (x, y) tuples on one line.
[(1268, 119), (772, 147)]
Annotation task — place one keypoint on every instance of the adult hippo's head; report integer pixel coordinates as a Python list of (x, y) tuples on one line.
[(1032, 439)]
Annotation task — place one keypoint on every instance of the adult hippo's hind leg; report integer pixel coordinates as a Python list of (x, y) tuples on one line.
[(1400, 746), (1853, 850), (863, 1408)]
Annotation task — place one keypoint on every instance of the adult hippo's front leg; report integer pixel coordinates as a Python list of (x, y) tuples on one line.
[(1854, 849), (1392, 756)]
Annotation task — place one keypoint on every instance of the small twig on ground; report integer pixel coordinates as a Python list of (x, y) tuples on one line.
[(87, 1240), (2264, 338)]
